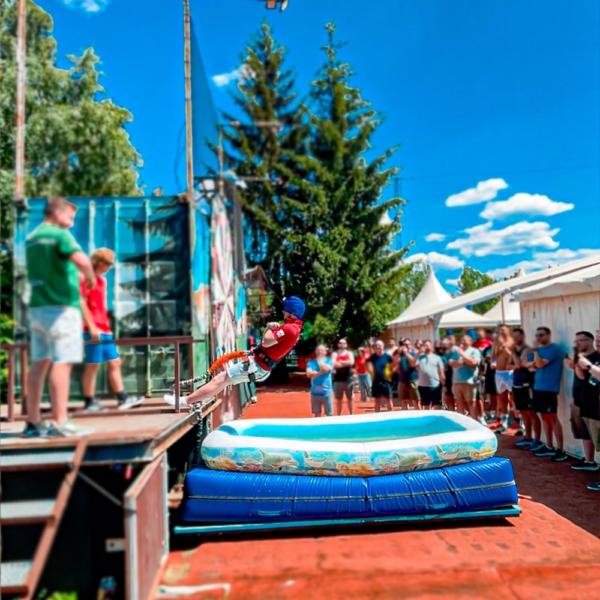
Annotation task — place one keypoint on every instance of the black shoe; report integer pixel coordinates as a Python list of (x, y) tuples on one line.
[(501, 429), (33, 430), (559, 456), (130, 402), (519, 432), (94, 406), (545, 451), (595, 487), (584, 465)]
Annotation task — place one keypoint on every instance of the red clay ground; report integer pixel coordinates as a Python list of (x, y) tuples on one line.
[(546, 553)]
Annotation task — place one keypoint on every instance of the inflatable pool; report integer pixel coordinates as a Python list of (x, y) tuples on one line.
[(354, 446), (219, 497)]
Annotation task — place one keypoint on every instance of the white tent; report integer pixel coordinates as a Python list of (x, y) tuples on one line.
[(502, 287), (565, 305), (508, 310), (431, 295)]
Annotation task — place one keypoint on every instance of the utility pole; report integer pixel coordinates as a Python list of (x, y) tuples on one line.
[(20, 124), (188, 101)]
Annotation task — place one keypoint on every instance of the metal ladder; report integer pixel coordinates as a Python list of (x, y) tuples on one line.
[(22, 577)]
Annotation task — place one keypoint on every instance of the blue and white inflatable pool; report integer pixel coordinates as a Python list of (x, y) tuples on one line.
[(353, 446)]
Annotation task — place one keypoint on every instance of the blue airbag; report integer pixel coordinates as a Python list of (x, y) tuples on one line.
[(233, 497)]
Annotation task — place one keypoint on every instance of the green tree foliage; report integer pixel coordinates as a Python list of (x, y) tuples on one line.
[(76, 143), (470, 280), (325, 234)]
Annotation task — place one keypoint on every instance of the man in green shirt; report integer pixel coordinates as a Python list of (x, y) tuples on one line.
[(464, 361), (54, 260)]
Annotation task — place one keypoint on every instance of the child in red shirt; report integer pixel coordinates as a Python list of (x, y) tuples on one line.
[(97, 330)]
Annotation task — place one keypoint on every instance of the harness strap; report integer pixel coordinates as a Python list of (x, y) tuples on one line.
[(260, 354)]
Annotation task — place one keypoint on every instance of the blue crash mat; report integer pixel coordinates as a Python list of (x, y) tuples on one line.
[(234, 497)]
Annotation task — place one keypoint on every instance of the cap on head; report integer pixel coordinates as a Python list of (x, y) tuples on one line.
[(294, 306), (57, 203)]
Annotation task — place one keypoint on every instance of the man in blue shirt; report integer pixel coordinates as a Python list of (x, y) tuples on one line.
[(319, 371), (377, 363), (408, 378), (548, 364)]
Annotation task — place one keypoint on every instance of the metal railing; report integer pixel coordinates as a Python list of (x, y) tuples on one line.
[(22, 349)]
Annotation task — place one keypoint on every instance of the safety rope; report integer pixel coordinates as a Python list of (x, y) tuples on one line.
[(206, 377)]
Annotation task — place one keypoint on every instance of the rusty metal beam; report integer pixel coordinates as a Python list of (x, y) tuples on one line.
[(188, 101)]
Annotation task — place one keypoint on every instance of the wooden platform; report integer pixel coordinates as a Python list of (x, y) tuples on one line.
[(138, 435)]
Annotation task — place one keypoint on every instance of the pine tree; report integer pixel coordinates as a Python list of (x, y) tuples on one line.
[(337, 237), (266, 94)]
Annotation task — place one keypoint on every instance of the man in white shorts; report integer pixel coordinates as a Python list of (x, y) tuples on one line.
[(502, 351), (54, 260)]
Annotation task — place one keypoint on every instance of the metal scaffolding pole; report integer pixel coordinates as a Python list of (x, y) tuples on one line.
[(188, 101), (20, 124)]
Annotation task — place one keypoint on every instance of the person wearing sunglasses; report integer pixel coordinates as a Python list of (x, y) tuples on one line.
[(103, 349), (547, 360)]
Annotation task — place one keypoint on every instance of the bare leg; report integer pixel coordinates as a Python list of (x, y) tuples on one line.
[(527, 423), (35, 384), (115, 379), (88, 380), (350, 402), (210, 389), (58, 386), (472, 404), (548, 428), (416, 404), (589, 450), (536, 426), (339, 406), (558, 432), (389, 403), (377, 404)]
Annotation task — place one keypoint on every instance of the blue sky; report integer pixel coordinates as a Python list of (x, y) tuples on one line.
[(495, 105)]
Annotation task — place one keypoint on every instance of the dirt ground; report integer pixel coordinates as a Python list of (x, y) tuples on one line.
[(551, 551)]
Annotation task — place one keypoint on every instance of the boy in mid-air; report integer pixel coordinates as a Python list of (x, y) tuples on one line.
[(277, 342), (97, 330)]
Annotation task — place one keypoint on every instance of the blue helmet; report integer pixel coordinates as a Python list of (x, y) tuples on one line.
[(294, 306)]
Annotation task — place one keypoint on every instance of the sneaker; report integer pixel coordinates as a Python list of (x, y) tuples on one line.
[(491, 418), (545, 451), (595, 487), (519, 432), (67, 429), (584, 465), (483, 421), (33, 430), (130, 402), (524, 442), (95, 406), (536, 446), (501, 429), (559, 456)]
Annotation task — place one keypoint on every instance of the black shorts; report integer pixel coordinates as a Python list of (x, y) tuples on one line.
[(490, 382), (522, 397), (381, 389), (430, 396), (544, 402)]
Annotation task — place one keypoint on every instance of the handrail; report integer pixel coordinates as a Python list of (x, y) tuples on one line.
[(177, 341)]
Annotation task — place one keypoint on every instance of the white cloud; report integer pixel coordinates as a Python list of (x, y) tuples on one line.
[(441, 261), (435, 237), (485, 190), (543, 260), (224, 79), (482, 240), (90, 6), (452, 282), (525, 204)]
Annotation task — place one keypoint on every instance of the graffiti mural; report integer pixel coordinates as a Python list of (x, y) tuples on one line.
[(222, 279)]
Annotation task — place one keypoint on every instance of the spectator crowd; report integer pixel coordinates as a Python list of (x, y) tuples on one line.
[(497, 378)]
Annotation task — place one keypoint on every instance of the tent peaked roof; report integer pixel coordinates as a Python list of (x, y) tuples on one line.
[(433, 294)]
